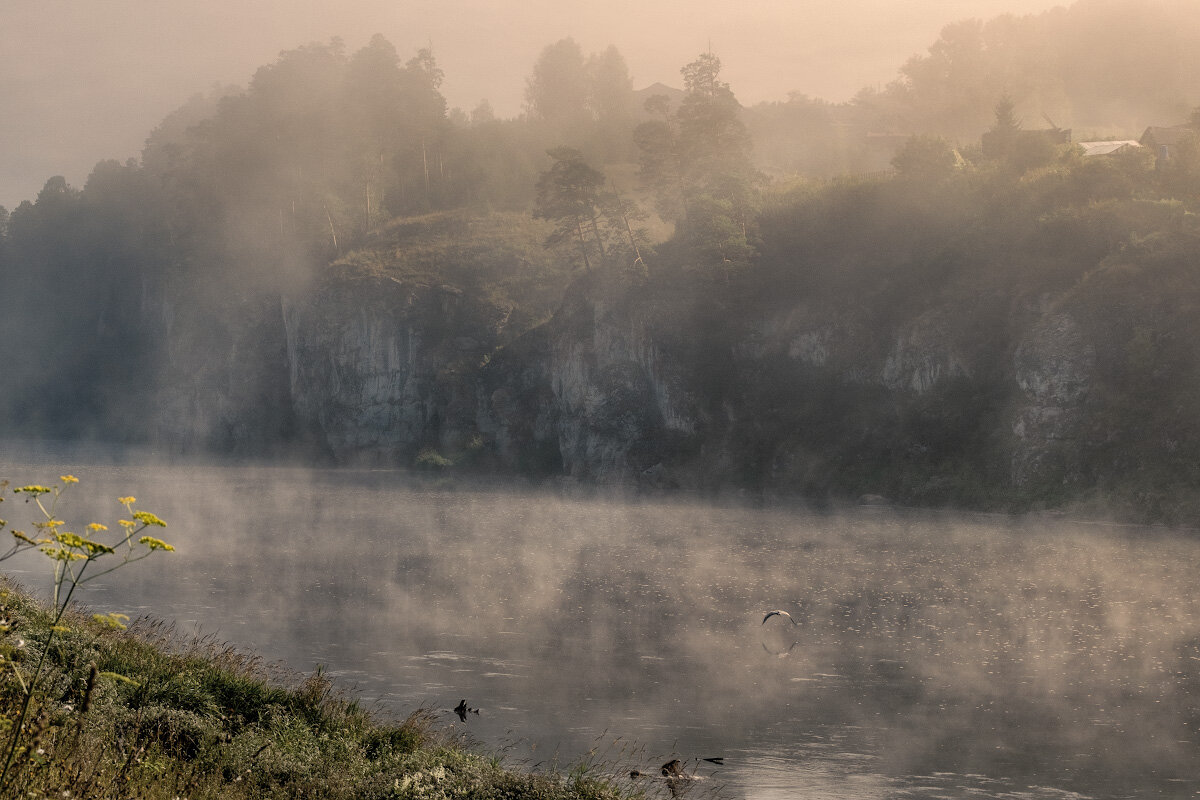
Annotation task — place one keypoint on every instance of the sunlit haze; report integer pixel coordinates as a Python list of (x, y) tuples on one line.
[(83, 81), (796, 397)]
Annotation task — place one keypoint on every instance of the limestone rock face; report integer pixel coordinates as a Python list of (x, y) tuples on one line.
[(923, 354), (818, 397), (223, 386), (915, 356), (1054, 366), (593, 387), (378, 369)]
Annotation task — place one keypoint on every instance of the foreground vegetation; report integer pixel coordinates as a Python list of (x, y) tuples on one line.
[(136, 714), (90, 709)]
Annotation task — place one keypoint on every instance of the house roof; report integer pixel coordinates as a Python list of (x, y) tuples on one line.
[(1168, 136), (1107, 148), (674, 96)]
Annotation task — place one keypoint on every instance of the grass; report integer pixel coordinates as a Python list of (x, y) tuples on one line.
[(138, 714)]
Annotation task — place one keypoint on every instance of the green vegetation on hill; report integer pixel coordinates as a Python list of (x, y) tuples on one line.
[(498, 255), (881, 342)]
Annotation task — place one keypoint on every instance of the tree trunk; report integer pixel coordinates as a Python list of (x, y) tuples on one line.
[(582, 245), (425, 164), (596, 234), (332, 231)]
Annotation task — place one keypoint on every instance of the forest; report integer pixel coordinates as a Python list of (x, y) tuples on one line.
[(794, 264)]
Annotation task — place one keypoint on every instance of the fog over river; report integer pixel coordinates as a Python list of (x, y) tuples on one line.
[(934, 655)]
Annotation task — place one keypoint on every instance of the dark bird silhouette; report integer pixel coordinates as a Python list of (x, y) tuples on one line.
[(780, 613), (462, 710)]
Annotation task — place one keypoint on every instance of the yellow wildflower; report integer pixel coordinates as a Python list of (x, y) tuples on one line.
[(96, 526), (146, 518), (112, 620), (68, 479), (126, 501), (155, 544), (70, 539), (62, 554)]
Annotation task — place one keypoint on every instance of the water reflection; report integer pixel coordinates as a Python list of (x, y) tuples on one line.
[(932, 656)]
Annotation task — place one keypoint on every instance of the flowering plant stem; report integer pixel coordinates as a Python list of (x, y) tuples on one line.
[(71, 554)]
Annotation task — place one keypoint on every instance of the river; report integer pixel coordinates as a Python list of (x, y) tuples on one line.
[(928, 655)]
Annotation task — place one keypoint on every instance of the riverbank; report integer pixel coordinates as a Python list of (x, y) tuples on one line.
[(139, 713)]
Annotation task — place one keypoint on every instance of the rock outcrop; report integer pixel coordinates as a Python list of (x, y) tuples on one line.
[(379, 369), (624, 386), (1054, 366)]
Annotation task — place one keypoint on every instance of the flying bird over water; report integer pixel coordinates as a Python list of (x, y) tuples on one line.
[(781, 613)]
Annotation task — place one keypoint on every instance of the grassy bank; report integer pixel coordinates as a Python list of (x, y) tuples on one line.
[(136, 714)]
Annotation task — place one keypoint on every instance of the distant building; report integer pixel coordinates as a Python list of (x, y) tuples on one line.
[(1164, 141), (994, 145), (1108, 148), (674, 97)]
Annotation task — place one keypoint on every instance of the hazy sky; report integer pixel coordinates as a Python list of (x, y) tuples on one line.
[(83, 80)]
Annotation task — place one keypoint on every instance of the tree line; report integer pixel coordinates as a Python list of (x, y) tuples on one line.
[(253, 190)]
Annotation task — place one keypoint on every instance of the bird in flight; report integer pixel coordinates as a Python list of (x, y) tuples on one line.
[(780, 613)]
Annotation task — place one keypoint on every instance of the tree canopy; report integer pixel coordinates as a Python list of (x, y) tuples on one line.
[(697, 161)]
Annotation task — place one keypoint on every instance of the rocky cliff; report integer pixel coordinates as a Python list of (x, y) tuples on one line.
[(591, 391), (990, 392), (380, 369), (611, 391)]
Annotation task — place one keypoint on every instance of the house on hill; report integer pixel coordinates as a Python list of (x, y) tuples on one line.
[(995, 143), (1164, 141), (1108, 148), (674, 97)]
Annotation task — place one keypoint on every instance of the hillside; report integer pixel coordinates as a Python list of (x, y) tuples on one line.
[(304, 269), (982, 339)]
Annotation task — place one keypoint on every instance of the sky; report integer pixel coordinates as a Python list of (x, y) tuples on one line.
[(86, 80)]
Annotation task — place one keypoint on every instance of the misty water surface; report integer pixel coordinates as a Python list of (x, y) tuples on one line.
[(935, 656)]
